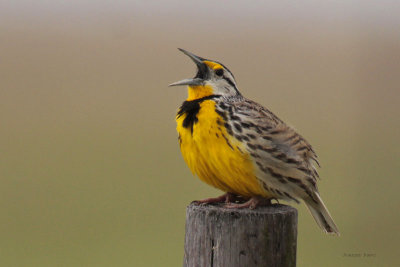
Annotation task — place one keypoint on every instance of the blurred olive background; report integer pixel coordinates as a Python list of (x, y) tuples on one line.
[(90, 169)]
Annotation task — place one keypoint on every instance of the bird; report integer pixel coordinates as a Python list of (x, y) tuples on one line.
[(243, 149)]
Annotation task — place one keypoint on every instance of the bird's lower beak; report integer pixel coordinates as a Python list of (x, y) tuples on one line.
[(190, 82), (202, 71)]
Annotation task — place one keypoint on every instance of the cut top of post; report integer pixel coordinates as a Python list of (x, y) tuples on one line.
[(259, 211)]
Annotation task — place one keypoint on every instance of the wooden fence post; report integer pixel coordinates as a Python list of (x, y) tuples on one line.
[(220, 237)]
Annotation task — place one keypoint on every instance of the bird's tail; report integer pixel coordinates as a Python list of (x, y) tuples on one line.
[(321, 214)]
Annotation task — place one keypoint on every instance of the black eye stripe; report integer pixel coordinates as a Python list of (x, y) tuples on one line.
[(229, 81)]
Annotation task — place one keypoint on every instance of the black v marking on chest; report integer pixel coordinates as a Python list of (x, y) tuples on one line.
[(191, 109)]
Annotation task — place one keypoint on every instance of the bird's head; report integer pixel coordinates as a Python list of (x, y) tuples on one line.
[(212, 78)]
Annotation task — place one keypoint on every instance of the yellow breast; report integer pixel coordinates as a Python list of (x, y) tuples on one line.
[(215, 156)]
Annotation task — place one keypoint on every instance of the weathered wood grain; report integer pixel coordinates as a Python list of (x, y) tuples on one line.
[(220, 237)]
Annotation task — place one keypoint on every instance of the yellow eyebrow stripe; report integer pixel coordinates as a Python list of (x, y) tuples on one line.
[(213, 65)]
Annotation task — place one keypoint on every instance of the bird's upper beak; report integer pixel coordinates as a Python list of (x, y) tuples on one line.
[(202, 71)]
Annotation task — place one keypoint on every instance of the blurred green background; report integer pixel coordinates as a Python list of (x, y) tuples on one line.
[(90, 169)]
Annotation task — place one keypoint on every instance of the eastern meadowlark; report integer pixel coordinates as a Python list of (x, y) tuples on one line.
[(242, 148)]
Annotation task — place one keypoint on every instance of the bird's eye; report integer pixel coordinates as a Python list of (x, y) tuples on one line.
[(219, 72)]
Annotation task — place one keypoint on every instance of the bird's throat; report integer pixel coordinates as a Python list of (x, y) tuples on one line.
[(199, 91)]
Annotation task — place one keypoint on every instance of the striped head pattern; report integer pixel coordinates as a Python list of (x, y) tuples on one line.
[(212, 78)]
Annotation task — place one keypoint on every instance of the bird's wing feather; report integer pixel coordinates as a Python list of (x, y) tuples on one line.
[(284, 157), (275, 132)]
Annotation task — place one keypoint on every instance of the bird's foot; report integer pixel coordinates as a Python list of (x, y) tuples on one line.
[(252, 203), (225, 198)]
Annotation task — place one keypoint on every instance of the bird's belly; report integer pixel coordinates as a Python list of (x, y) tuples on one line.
[(218, 158)]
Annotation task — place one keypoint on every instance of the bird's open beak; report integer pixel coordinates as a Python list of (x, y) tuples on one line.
[(202, 71)]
